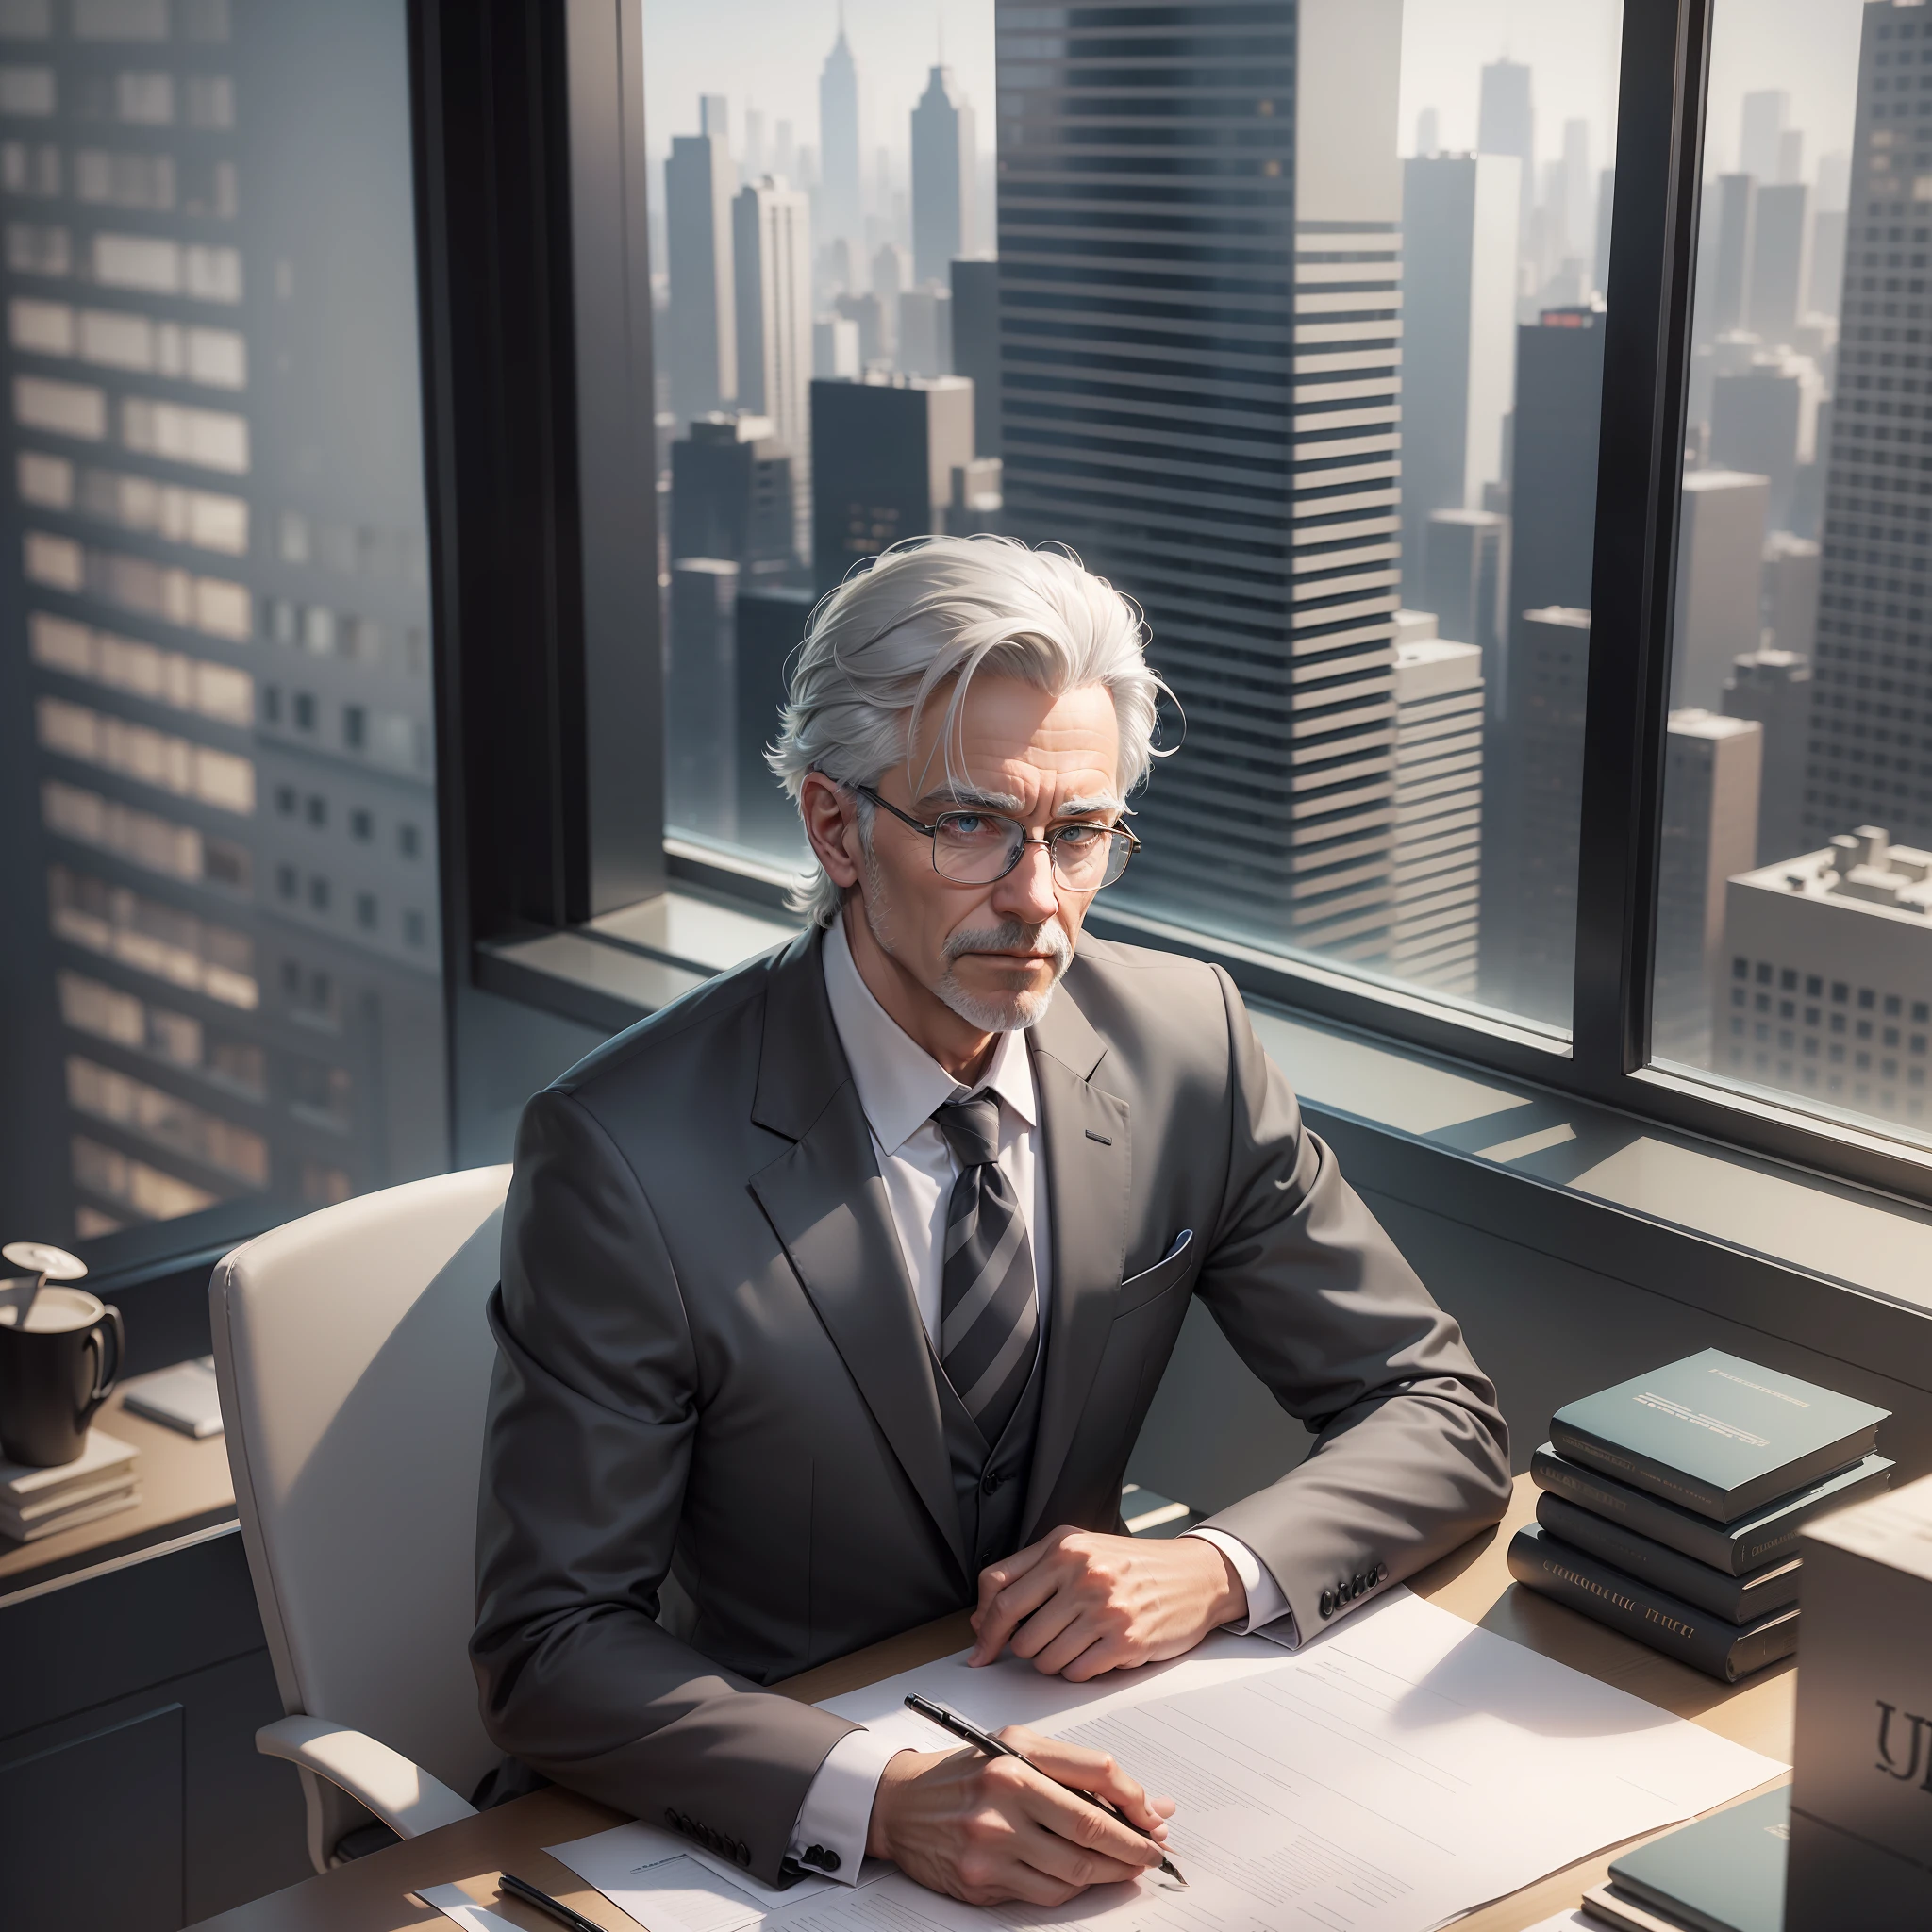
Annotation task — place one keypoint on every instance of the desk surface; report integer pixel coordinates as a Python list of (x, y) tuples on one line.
[(185, 1487), (369, 1895)]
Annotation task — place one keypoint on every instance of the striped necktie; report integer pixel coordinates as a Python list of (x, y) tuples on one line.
[(989, 1321)]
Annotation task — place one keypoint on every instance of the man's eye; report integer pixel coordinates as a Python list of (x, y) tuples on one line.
[(969, 824), (1079, 838)]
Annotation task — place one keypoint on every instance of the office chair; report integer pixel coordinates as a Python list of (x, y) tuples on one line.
[(354, 1360)]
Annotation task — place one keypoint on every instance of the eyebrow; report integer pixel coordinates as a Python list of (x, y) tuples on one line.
[(969, 798)]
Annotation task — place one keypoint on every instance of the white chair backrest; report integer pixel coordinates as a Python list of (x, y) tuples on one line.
[(354, 1361)]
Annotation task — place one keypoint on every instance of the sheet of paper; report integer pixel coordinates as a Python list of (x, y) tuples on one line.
[(453, 1902), (1394, 1773), (674, 1886), (1567, 1921)]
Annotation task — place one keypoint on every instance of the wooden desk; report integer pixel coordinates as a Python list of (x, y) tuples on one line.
[(369, 1895), (185, 1488)]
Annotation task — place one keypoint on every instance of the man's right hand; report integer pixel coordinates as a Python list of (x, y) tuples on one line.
[(987, 1829)]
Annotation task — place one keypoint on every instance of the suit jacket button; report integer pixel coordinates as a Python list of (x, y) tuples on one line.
[(987, 1484), (1359, 1585), (1381, 1572), (1327, 1604)]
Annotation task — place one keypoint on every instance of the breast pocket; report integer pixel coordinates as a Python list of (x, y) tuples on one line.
[(1137, 1291)]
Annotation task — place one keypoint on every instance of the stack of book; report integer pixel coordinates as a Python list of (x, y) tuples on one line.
[(1721, 1873), (41, 1502), (1671, 1505)]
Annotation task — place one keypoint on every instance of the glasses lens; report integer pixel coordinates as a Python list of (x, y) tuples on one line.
[(974, 848), (1085, 858)]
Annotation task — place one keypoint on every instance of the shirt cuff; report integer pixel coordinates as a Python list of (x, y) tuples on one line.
[(836, 1818), (1267, 1606)]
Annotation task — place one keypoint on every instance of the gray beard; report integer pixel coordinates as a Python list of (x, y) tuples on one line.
[(990, 1013)]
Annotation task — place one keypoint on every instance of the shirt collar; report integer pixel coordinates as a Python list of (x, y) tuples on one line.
[(900, 1085)]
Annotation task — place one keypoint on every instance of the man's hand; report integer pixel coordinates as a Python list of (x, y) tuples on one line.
[(1079, 1603), (987, 1829)]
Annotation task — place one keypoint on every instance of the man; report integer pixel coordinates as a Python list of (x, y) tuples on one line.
[(833, 1295)]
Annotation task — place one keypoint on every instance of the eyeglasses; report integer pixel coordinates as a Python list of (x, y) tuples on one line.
[(975, 848)]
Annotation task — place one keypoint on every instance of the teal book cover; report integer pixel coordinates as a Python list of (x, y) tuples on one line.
[(1715, 1434), (1720, 1873)]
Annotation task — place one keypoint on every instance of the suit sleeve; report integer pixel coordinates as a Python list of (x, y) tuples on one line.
[(1411, 1453), (594, 1407)]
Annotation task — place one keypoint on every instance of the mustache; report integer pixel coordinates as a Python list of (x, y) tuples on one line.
[(1010, 936)]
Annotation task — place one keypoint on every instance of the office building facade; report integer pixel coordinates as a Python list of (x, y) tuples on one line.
[(841, 207), (734, 493), (1237, 468), (701, 321), (1459, 226), (976, 346), (1772, 687), (883, 456), (945, 156), (224, 975), (1829, 965), (771, 271), (1465, 569), (1720, 576), (1436, 860), (1873, 763), (1713, 770), (1506, 125)]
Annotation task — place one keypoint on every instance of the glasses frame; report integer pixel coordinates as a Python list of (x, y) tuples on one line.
[(932, 832)]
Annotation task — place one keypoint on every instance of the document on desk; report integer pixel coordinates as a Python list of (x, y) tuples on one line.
[(1391, 1776)]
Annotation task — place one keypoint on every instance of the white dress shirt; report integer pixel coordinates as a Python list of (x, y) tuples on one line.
[(900, 1087)]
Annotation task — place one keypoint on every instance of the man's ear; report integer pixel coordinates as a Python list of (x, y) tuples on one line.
[(830, 816)]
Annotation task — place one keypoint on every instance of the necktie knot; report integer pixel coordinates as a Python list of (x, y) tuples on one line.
[(972, 1129)]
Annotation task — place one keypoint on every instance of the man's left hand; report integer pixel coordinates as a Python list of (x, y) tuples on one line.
[(1079, 1603)]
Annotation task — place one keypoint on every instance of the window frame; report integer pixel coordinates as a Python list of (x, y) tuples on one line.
[(577, 829)]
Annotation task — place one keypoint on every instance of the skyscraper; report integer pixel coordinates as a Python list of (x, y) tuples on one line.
[(976, 346), (733, 492), (1791, 567), (1772, 687), (1529, 905), (224, 977), (1459, 248), (1237, 470), (701, 695), (1730, 259), (841, 206), (1712, 770), (1506, 125), (701, 324), (772, 266), (1761, 133), (1870, 759), (1439, 805), (1465, 571), (1828, 968), (1720, 567), (883, 457), (1780, 271), (1757, 420), (944, 161), (1580, 191)]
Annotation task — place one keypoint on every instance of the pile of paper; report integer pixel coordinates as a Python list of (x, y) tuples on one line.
[(39, 1502)]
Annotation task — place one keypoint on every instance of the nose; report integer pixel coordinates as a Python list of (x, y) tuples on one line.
[(1028, 893)]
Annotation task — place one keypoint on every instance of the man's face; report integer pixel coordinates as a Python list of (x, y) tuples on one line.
[(991, 953)]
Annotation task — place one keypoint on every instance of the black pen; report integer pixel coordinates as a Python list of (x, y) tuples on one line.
[(523, 1889), (969, 1733)]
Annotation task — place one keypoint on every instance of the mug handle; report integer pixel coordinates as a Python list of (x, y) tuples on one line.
[(106, 1365)]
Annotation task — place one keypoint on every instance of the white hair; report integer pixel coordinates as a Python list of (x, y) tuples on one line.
[(934, 610)]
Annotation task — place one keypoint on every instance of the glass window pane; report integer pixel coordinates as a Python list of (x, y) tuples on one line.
[(1795, 940), (223, 989), (1294, 332)]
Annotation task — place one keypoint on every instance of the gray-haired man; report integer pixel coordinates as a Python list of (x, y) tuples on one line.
[(838, 1290)]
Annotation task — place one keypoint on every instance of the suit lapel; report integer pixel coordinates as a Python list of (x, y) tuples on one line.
[(1084, 1139), (827, 1205)]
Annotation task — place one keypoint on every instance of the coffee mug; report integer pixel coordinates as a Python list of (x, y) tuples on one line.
[(57, 1367)]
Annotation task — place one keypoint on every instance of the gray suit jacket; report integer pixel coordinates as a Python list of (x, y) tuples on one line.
[(710, 1363)]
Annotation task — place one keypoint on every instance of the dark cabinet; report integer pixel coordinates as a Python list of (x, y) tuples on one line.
[(132, 1798)]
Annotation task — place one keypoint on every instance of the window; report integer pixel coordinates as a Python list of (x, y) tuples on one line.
[(1797, 816), (189, 1008), (1297, 412)]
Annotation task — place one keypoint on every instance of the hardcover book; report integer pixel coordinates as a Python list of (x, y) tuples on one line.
[(1716, 1435), (22, 1484), (1720, 1873), (1740, 1599), (1740, 1547), (1712, 1645)]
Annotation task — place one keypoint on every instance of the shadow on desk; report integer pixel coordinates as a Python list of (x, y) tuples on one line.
[(1472, 1582)]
